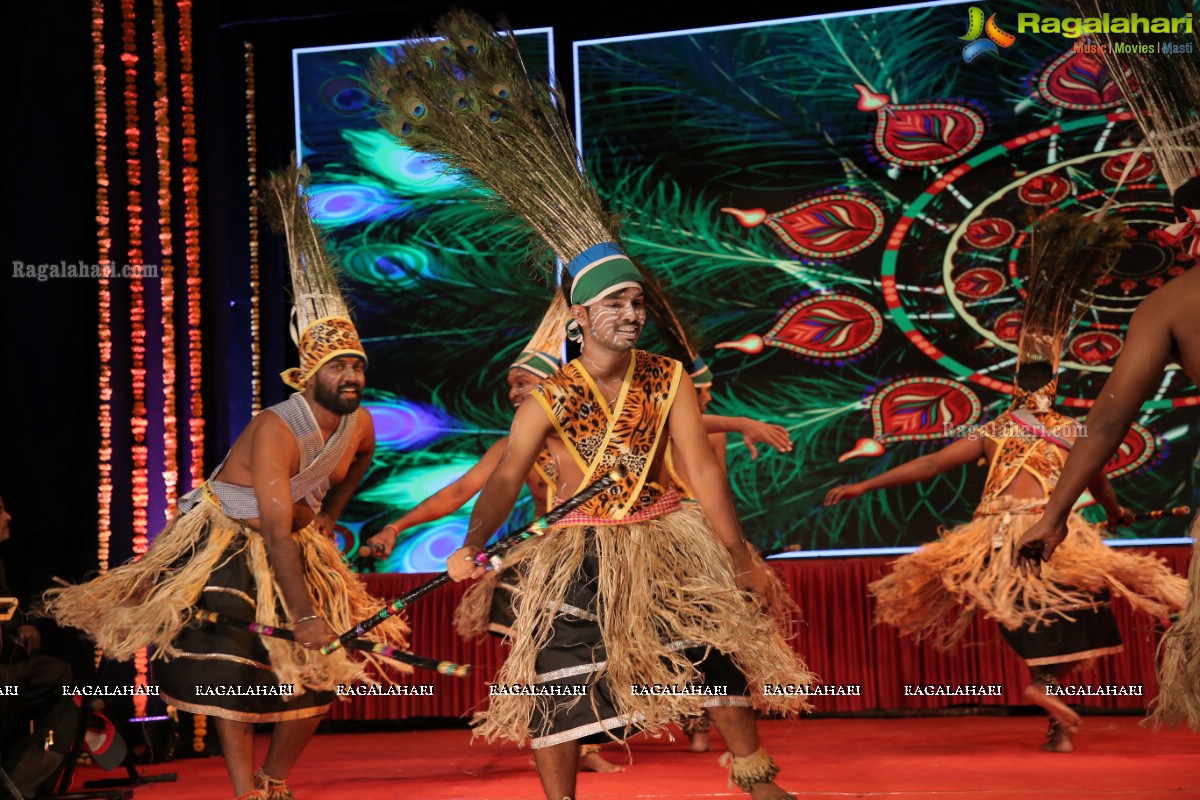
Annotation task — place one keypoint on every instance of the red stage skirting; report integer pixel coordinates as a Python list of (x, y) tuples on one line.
[(838, 641)]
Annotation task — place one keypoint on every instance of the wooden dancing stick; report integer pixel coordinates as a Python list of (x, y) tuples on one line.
[(1159, 513), (492, 555), (198, 616)]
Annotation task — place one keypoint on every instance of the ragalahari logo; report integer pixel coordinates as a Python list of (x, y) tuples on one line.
[(976, 46)]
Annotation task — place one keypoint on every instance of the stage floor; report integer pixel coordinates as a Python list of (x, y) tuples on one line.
[(947, 758)]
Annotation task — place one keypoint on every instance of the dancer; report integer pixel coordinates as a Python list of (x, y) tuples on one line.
[(1164, 330), (633, 590), (1163, 95), (1060, 619), (481, 611), (255, 542)]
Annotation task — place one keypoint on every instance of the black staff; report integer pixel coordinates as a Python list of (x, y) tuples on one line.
[(443, 667), (1159, 513), (482, 558)]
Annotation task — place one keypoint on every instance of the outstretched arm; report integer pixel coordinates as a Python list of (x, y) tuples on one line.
[(530, 429), (753, 432), (443, 502), (1137, 372), (1147, 352), (708, 481), (964, 451)]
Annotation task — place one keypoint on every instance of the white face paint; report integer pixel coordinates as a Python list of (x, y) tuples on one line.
[(562, 482), (615, 322)]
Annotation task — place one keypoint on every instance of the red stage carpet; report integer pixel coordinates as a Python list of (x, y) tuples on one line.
[(946, 758)]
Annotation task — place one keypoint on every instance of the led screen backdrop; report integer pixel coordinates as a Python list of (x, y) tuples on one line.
[(842, 202), (442, 294), (839, 205)]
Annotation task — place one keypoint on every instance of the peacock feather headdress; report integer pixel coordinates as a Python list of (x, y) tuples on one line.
[(320, 325), (1068, 253), (463, 97)]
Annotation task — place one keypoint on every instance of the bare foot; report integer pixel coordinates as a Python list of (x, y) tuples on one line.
[(699, 742), (1068, 719), (769, 791), (1058, 739), (594, 762)]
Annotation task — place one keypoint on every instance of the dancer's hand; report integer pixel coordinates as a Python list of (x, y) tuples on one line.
[(847, 491), (755, 433), (1122, 517), (461, 565), (748, 572), (29, 638), (381, 544), (1037, 545), (325, 524), (314, 634)]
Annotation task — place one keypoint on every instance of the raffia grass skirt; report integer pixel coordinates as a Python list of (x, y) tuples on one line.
[(146, 602), (486, 605), (933, 593), (658, 583), (1179, 657)]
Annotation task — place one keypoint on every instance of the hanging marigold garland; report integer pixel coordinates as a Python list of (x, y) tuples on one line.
[(252, 180), (191, 237), (166, 273)]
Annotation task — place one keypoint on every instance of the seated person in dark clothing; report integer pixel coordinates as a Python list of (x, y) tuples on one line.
[(36, 679)]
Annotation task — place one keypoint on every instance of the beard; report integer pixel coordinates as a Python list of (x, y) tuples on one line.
[(335, 401)]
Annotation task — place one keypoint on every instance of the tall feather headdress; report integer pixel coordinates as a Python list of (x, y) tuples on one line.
[(1068, 253), (321, 326), (463, 97), (544, 354)]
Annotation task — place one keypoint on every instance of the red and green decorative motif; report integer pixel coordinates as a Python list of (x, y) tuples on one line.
[(1079, 82), (1095, 347), (1008, 326), (1045, 190), (980, 283), (916, 410), (922, 134), (832, 327), (829, 226), (990, 234), (1114, 168), (1136, 449)]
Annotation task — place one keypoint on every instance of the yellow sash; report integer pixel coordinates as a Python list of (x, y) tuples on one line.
[(629, 435)]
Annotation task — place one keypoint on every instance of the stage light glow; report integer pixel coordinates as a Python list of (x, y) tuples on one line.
[(410, 173), (404, 488), (406, 425), (335, 205), (395, 266)]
